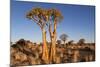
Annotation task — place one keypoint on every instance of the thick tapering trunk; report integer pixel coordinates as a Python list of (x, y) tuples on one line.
[(45, 55), (54, 41), (51, 50), (54, 50), (53, 36)]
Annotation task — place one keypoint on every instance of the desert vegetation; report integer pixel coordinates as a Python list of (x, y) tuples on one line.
[(25, 52)]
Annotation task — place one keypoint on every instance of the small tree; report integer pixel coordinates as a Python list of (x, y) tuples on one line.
[(81, 41), (70, 42), (64, 37), (58, 42)]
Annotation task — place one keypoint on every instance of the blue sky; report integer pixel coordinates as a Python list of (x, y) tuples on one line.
[(78, 22)]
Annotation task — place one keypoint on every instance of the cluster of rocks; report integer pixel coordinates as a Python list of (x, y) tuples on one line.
[(25, 53)]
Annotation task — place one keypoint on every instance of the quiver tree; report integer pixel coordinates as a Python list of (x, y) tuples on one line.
[(54, 16), (49, 18), (38, 16)]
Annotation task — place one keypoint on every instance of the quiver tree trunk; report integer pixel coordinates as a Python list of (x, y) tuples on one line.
[(45, 55), (51, 50), (53, 36), (54, 41)]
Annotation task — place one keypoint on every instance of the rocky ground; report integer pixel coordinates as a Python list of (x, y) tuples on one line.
[(25, 53)]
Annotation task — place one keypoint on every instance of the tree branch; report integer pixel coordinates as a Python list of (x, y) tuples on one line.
[(37, 22)]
